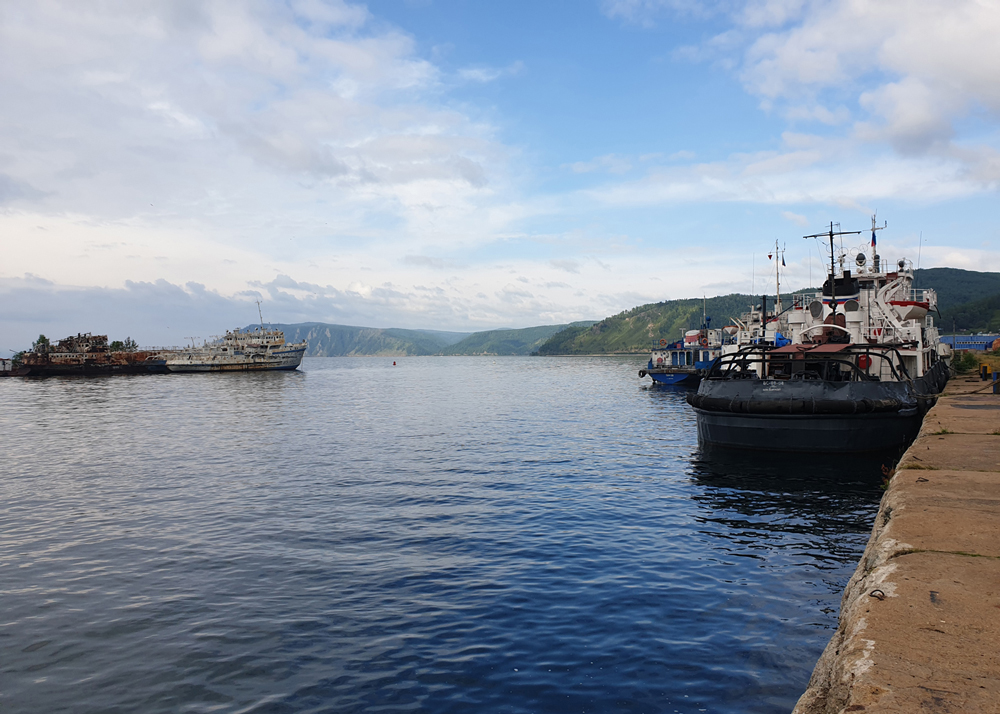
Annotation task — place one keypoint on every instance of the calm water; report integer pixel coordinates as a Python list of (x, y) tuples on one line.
[(447, 535)]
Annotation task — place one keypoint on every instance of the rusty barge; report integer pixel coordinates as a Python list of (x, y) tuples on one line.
[(87, 354)]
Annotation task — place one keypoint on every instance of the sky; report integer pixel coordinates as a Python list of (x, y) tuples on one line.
[(467, 165)]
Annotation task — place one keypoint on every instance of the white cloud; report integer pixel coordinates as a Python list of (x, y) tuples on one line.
[(180, 103), (923, 64), (902, 75), (807, 170), (489, 74), (570, 266), (795, 218)]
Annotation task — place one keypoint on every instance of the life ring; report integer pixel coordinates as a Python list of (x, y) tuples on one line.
[(704, 342), (864, 361), (663, 343)]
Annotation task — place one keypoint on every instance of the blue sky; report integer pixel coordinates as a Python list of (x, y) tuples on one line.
[(469, 165)]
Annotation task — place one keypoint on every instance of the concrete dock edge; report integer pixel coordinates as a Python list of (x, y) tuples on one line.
[(919, 627)]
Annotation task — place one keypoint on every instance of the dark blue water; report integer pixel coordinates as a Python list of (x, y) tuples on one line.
[(447, 535)]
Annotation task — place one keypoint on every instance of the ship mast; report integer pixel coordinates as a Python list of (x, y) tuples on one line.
[(833, 281), (876, 228), (261, 315), (779, 256)]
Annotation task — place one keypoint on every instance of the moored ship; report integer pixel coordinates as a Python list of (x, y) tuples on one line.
[(89, 355), (257, 349), (852, 368), (687, 360)]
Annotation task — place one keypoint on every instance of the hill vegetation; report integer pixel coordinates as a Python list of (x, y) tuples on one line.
[(955, 286), (327, 340), (344, 340), (976, 316), (634, 330), (508, 342)]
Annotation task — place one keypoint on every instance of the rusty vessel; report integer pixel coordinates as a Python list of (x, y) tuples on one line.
[(87, 354)]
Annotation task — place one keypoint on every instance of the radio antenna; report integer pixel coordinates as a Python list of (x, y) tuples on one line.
[(833, 282)]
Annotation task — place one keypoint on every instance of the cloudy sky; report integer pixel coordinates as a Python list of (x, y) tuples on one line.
[(467, 165)]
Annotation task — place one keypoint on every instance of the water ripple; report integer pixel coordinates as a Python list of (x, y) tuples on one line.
[(447, 535)]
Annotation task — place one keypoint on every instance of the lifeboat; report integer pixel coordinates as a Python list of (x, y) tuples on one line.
[(910, 309)]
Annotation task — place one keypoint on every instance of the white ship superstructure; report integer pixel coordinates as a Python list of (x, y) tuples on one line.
[(851, 368), (240, 351), (875, 305)]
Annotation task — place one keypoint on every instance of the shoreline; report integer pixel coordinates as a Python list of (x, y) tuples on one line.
[(920, 618)]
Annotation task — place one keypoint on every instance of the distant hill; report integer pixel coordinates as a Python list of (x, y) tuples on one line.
[(976, 316), (955, 286), (634, 330), (508, 342), (327, 340), (344, 340)]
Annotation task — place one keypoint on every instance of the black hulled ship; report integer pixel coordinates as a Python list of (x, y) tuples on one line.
[(852, 368)]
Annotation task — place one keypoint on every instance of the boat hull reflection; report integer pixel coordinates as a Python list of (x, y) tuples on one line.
[(817, 433)]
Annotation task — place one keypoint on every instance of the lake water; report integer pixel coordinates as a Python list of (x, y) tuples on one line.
[(446, 535)]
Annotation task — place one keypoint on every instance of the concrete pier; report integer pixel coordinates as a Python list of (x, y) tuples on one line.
[(920, 618)]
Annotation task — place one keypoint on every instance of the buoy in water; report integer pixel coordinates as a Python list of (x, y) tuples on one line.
[(393, 364)]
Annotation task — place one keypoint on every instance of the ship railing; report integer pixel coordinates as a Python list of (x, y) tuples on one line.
[(800, 301), (755, 360)]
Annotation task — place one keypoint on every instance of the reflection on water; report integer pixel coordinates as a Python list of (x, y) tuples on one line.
[(791, 509), (446, 535)]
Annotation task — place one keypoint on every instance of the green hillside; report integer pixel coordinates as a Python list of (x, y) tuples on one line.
[(976, 316), (955, 286), (344, 340), (508, 342), (634, 330)]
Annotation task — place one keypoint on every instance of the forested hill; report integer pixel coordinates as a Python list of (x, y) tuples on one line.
[(508, 342), (955, 286), (634, 330), (327, 340), (344, 340), (968, 299), (976, 316)]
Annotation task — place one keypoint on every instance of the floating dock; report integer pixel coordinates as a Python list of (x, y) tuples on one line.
[(920, 618)]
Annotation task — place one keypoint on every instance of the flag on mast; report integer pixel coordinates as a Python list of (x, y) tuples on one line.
[(873, 238)]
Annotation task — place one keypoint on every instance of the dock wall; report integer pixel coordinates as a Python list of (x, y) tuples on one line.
[(919, 622)]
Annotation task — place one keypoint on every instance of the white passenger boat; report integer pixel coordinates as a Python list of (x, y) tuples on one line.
[(257, 349)]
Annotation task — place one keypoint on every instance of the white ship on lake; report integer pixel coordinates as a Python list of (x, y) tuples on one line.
[(239, 350)]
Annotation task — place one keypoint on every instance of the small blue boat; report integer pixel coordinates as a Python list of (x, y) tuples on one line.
[(687, 360)]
